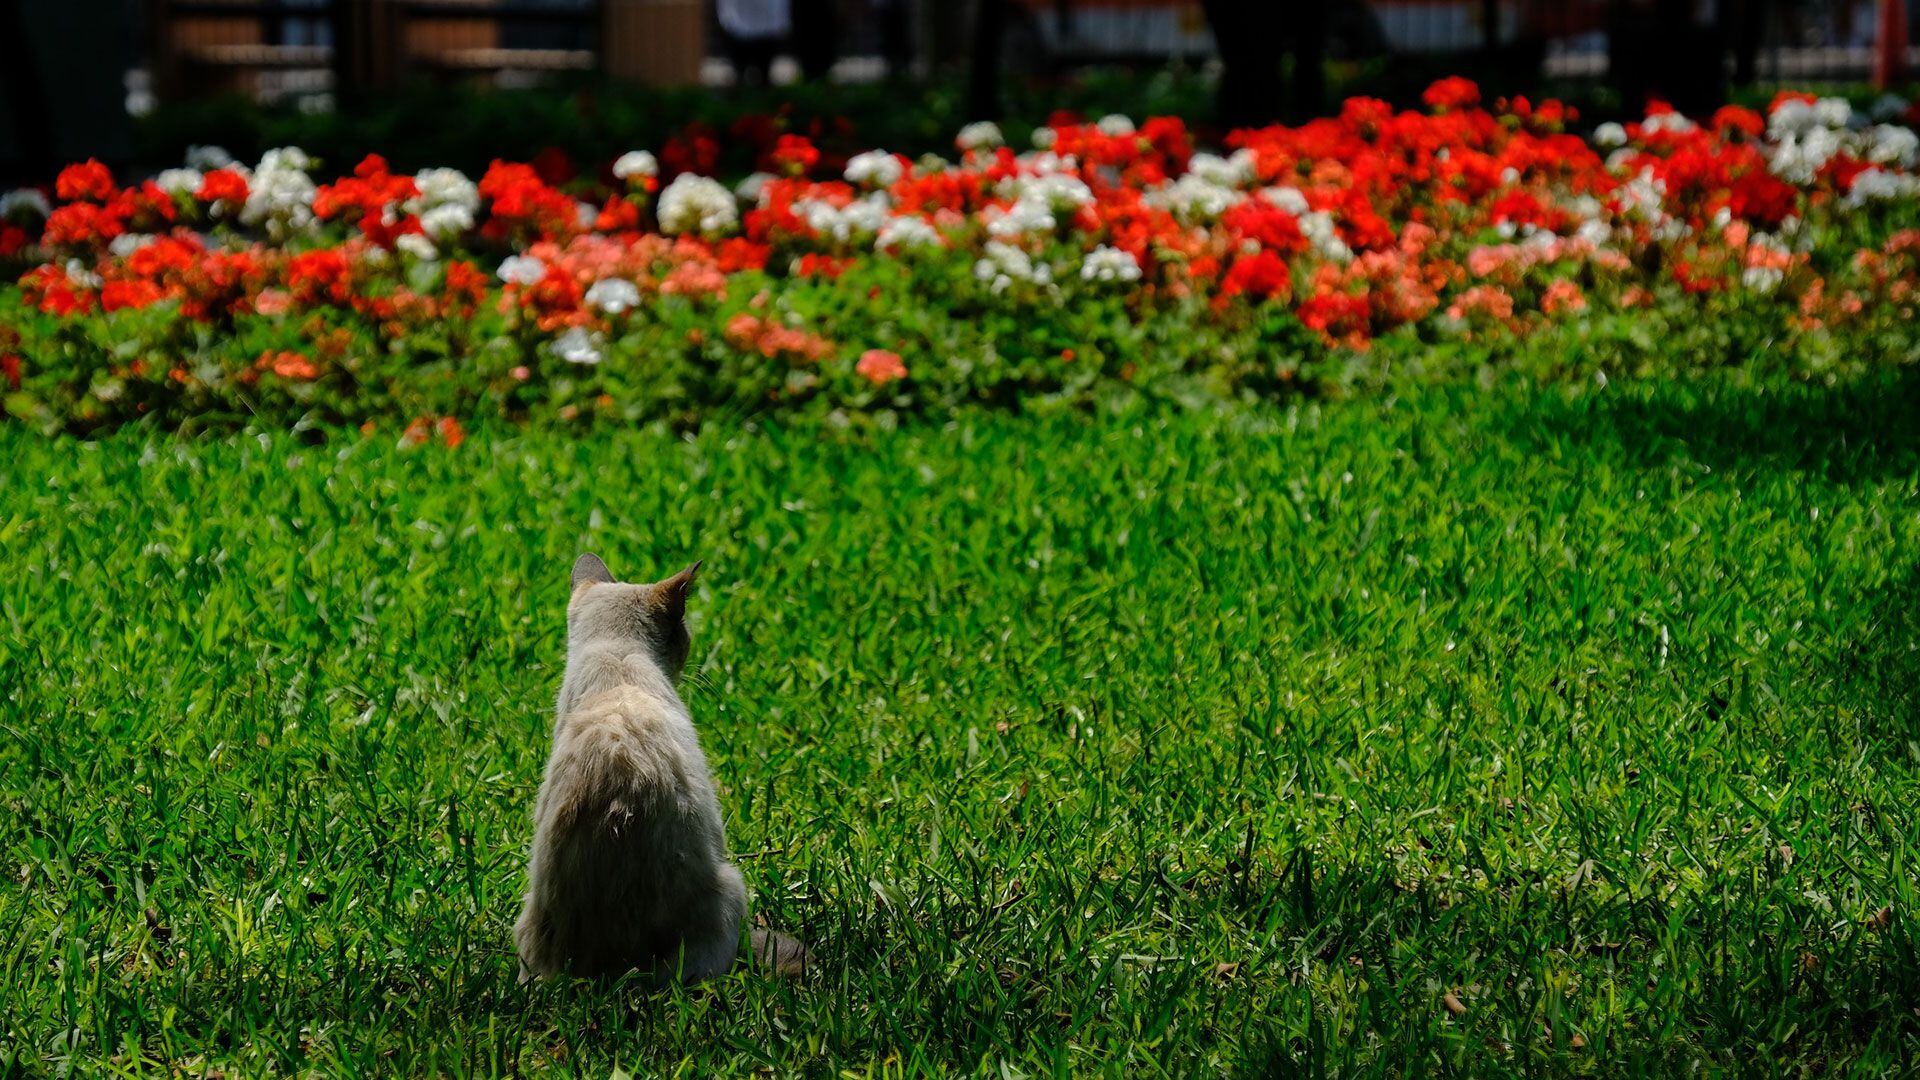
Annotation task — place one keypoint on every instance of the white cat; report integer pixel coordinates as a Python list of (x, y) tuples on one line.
[(629, 866)]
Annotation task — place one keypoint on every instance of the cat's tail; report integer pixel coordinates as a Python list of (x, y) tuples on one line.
[(782, 954)]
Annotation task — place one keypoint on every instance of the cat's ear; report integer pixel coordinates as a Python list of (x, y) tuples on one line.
[(674, 590), (589, 570)]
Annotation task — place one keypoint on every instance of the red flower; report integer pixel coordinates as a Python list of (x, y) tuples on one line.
[(1732, 120), (814, 264), (523, 203), (1266, 224), (116, 295), (89, 181), (222, 185), (792, 155), (1258, 276), (82, 223), (618, 215), (1452, 92), (1762, 198), (694, 150), (320, 276)]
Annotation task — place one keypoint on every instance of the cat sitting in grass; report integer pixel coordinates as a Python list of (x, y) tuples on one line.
[(629, 867)]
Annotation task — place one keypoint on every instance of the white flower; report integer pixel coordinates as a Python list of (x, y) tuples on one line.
[(636, 163), (1790, 117), (577, 346), (1762, 279), (206, 158), (861, 217), (1110, 264), (23, 203), (1669, 121), (1005, 264), (613, 295), (1023, 217), (1609, 135), (1593, 231), (447, 221), (875, 168), (1236, 171), (1799, 158), (905, 234), (1286, 198), (754, 187), (280, 194), (1833, 112), (1193, 198), (179, 183), (982, 134), (1891, 145), (697, 204), (418, 246), (586, 214), (522, 270), (1324, 235), (127, 243), (1061, 191), (1037, 199), (1115, 124), (79, 275), (1876, 183), (1044, 138), (446, 193), (1643, 197)]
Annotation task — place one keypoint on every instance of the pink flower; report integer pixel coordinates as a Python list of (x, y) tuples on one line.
[(880, 367), (273, 302), (1563, 297)]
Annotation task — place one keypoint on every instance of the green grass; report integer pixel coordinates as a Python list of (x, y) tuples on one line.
[(1593, 708)]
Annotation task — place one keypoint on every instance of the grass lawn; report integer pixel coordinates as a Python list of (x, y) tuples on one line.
[(1491, 729)]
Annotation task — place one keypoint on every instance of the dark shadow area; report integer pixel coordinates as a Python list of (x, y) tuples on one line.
[(1859, 429), (1745, 989), (1876, 669)]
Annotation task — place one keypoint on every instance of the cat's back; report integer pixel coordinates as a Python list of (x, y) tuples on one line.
[(631, 744)]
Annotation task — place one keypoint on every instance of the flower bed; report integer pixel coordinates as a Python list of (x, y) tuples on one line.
[(1109, 259)]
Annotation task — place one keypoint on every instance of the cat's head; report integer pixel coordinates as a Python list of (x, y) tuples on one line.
[(605, 610)]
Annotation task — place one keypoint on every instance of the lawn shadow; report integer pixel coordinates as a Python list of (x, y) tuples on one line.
[(1485, 953), (1877, 670), (1856, 430)]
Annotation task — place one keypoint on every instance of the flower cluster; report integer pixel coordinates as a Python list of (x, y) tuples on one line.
[(1466, 220)]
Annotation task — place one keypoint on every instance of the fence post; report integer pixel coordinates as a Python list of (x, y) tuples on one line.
[(1890, 50)]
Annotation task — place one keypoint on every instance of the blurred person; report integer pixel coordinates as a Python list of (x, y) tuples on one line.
[(754, 31)]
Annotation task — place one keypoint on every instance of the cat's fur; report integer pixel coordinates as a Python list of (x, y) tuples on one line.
[(629, 866)]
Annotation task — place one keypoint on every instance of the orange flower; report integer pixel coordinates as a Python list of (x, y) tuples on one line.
[(288, 365), (880, 367)]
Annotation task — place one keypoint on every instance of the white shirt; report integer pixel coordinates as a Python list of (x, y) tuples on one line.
[(754, 19)]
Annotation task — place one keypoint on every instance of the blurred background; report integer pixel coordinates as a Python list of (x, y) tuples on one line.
[(458, 82)]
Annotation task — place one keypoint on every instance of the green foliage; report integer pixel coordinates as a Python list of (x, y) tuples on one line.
[(1172, 743), (1087, 346)]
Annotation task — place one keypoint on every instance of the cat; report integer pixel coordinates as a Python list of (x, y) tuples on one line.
[(628, 868)]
